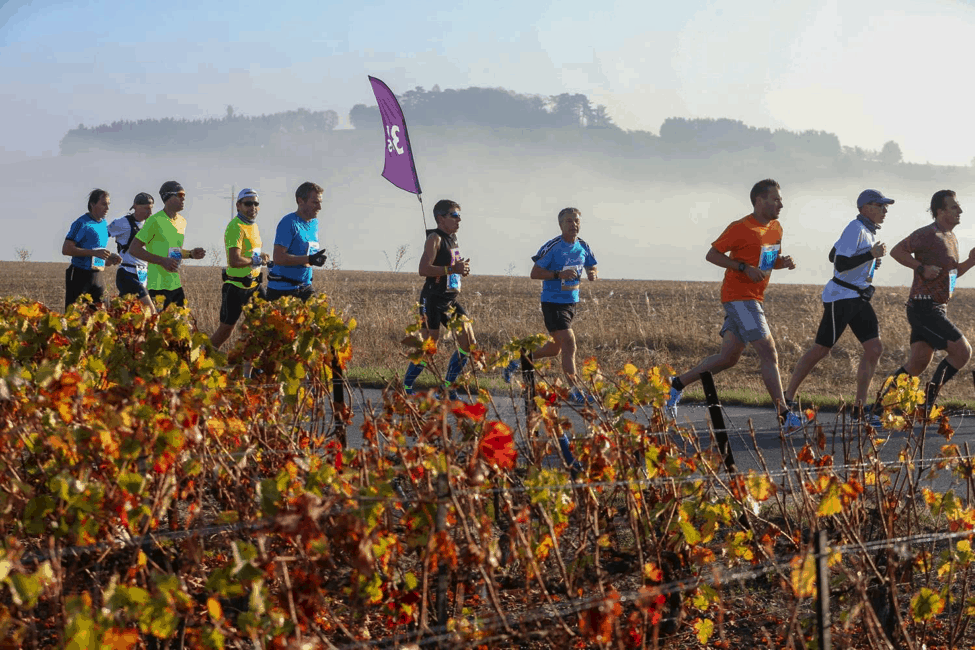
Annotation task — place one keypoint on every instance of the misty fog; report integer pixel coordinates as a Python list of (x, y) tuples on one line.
[(645, 218)]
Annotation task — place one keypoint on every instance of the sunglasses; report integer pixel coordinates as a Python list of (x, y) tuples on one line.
[(455, 215), (251, 203)]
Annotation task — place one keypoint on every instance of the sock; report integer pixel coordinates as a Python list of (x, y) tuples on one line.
[(412, 373), (677, 384), (566, 450), (944, 372), (457, 362)]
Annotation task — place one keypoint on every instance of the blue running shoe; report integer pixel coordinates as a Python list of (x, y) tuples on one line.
[(672, 401), (409, 390), (791, 423), (452, 395), (580, 397), (510, 370)]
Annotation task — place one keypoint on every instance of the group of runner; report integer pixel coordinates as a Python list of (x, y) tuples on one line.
[(750, 249), (151, 248)]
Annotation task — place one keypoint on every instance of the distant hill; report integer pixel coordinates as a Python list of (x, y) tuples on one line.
[(495, 114)]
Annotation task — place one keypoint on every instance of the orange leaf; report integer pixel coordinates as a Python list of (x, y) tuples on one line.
[(497, 446)]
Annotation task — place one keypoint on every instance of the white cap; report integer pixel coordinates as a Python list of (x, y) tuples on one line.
[(247, 193)]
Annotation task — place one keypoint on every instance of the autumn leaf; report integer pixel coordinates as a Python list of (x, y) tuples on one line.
[(475, 411), (497, 447), (830, 503), (926, 604), (803, 576), (703, 628), (116, 639)]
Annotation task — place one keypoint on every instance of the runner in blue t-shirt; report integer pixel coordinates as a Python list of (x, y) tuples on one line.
[(85, 243), (560, 264), (296, 247)]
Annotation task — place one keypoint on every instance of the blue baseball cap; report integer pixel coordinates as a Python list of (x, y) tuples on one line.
[(872, 196)]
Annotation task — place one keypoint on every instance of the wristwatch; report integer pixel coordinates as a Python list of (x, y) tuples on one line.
[(741, 267)]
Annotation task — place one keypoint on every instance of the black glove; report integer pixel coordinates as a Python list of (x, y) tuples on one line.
[(317, 259)]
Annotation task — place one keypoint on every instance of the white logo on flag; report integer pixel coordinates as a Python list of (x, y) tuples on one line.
[(392, 142)]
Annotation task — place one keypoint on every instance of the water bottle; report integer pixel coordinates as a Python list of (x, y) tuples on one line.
[(256, 260), (176, 254)]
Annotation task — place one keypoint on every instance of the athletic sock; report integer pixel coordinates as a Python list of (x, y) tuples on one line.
[(677, 384), (457, 362), (943, 373), (412, 373)]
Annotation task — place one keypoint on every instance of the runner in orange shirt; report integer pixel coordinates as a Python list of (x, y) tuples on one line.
[(749, 249)]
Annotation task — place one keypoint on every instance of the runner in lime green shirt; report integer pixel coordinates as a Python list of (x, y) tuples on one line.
[(160, 243), (242, 278)]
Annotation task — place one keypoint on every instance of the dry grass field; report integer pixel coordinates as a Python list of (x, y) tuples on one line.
[(644, 322)]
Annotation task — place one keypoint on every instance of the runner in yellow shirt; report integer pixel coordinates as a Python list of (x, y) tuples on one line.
[(242, 279)]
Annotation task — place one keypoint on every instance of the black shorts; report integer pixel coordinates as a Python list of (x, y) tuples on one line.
[(128, 284), (234, 299), (929, 323), (170, 296), (855, 312), (79, 282), (301, 293), (438, 310), (558, 316)]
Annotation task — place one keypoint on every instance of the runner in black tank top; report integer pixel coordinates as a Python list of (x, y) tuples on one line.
[(443, 267)]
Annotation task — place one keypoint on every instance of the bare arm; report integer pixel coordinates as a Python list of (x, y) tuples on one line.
[(235, 260), (718, 258), (539, 273), (903, 254), (72, 249), (426, 269)]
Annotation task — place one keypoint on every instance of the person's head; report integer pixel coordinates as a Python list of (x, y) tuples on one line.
[(142, 206), (98, 202), (570, 221), (873, 205), (766, 199), (945, 209), (308, 196), (447, 215), (248, 203), (173, 196)]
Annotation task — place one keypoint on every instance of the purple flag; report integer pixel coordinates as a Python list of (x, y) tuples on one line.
[(399, 169)]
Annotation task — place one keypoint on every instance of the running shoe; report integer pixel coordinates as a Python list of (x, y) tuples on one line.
[(580, 397), (452, 395), (672, 402), (510, 370), (409, 390), (791, 423)]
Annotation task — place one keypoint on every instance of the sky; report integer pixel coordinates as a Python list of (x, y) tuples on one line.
[(870, 71)]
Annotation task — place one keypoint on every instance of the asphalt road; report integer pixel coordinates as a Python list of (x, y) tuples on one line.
[(739, 421)]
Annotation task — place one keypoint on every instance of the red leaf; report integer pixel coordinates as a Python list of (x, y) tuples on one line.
[(497, 446), (475, 411)]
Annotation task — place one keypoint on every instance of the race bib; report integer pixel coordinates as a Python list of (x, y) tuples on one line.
[(770, 253), (952, 279), (572, 285)]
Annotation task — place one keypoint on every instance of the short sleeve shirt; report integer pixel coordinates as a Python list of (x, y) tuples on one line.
[(121, 230), (934, 247), (246, 237), (748, 241), (556, 255), (164, 237), (856, 239), (89, 234), (298, 237)]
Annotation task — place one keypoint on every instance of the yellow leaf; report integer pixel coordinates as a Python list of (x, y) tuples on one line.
[(803, 576), (216, 611), (704, 628), (926, 605), (830, 504), (760, 487)]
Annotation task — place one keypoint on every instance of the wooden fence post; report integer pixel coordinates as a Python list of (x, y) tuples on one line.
[(822, 592)]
